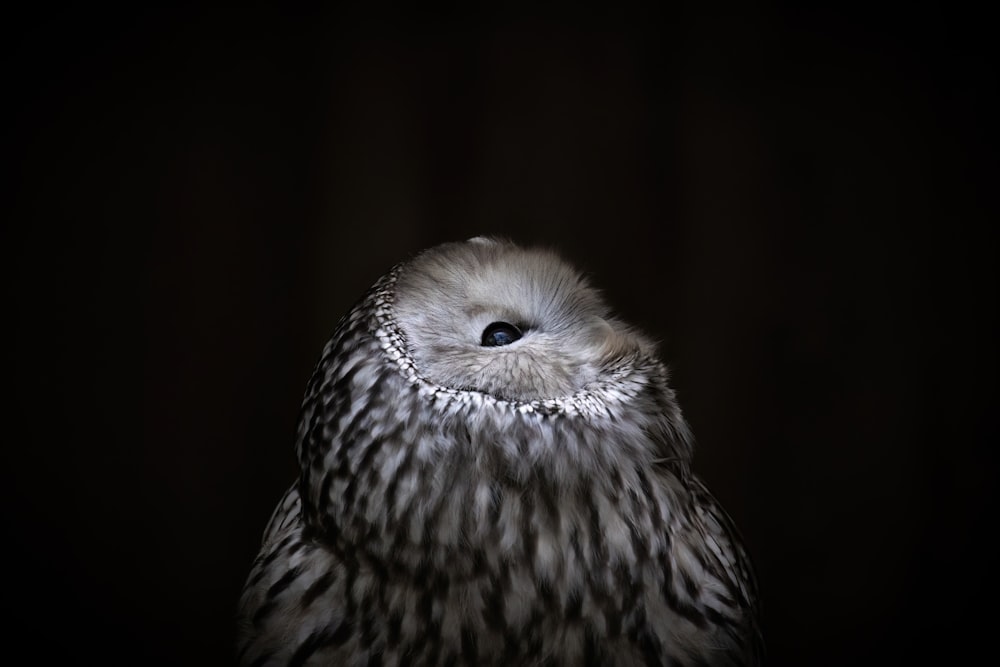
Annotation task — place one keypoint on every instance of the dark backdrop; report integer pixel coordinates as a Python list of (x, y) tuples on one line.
[(799, 203)]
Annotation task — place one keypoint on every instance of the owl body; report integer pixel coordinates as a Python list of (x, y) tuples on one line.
[(495, 471)]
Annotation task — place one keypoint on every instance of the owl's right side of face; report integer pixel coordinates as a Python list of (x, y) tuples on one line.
[(520, 325)]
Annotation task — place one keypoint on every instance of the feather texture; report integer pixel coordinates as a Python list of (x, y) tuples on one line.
[(530, 503)]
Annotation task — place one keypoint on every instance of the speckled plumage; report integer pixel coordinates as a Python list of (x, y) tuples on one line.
[(526, 504)]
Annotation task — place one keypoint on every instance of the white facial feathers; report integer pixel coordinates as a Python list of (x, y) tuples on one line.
[(446, 298)]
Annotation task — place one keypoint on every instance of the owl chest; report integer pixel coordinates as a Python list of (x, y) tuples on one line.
[(521, 567), (504, 613)]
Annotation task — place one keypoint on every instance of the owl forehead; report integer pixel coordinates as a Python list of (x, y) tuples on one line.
[(476, 280)]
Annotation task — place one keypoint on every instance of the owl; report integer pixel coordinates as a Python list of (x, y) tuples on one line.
[(494, 470)]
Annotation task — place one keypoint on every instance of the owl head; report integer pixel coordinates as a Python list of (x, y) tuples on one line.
[(520, 325)]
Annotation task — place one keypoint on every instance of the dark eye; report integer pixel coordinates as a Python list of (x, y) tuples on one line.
[(500, 333)]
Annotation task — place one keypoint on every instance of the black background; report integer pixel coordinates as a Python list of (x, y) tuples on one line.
[(798, 202)]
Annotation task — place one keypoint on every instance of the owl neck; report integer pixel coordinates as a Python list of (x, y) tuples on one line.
[(413, 486)]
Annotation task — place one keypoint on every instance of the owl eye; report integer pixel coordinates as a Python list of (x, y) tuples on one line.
[(500, 333)]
